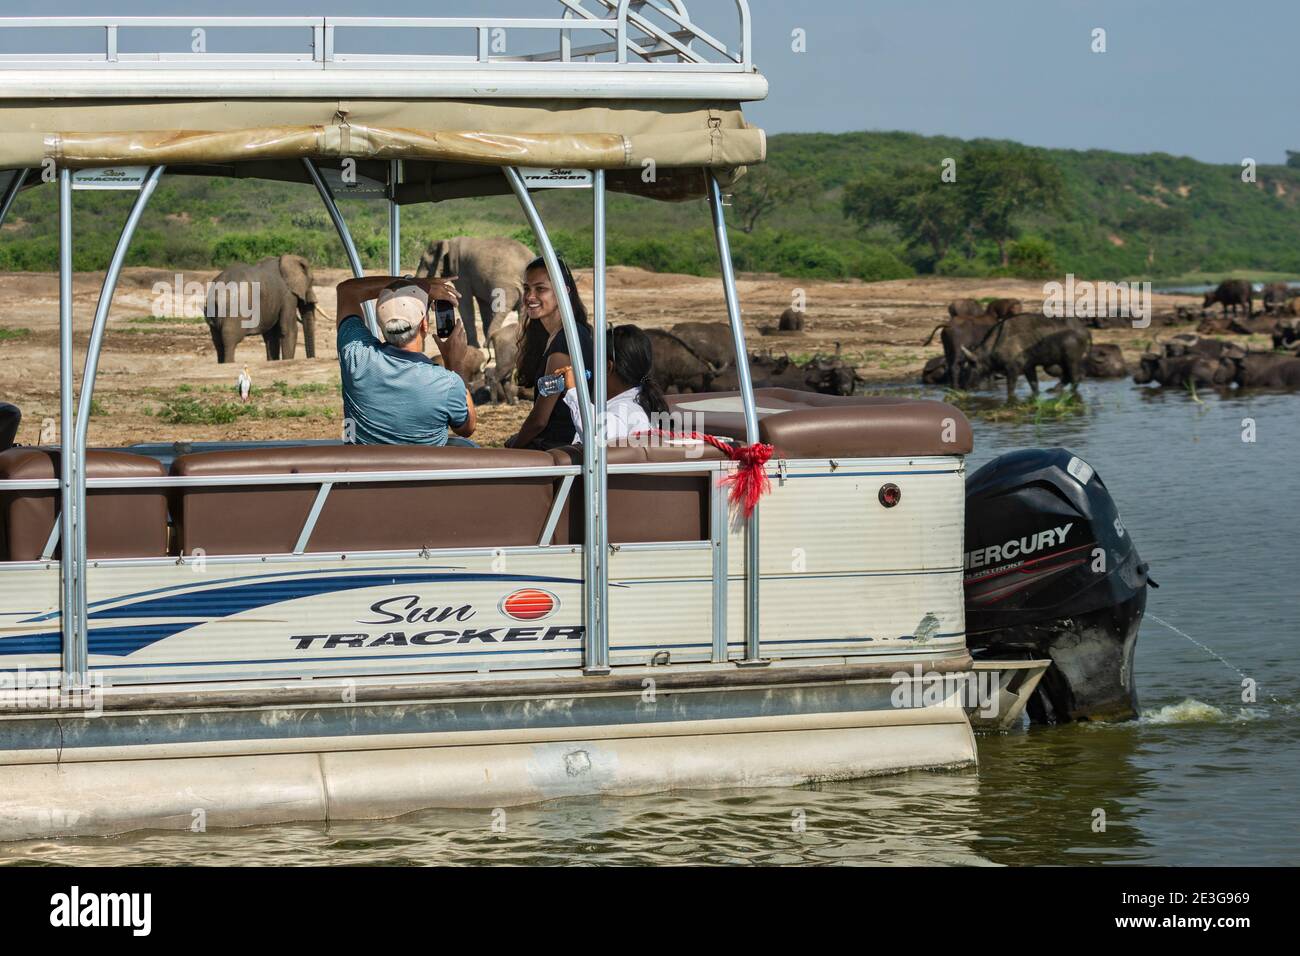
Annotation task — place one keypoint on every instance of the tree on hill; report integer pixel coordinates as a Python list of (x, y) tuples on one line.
[(926, 211), (1154, 223), (1000, 183), (763, 189), (995, 185)]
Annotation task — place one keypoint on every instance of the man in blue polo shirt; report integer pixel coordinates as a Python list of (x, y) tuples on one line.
[(394, 394)]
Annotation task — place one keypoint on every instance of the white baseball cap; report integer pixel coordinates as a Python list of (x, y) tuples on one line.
[(402, 309)]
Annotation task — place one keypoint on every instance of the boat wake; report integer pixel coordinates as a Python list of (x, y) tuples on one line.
[(1193, 711)]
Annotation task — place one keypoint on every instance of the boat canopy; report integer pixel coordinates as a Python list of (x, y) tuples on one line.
[(656, 118), (451, 149)]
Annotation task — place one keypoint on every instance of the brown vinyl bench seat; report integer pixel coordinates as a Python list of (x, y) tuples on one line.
[(642, 507), (365, 516), (810, 425), (120, 522)]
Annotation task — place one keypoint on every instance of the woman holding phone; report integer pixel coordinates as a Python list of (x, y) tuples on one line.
[(549, 424)]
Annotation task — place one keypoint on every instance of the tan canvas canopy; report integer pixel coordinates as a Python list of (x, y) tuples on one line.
[(450, 148), (654, 101)]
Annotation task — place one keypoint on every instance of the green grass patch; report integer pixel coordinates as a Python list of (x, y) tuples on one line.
[(1044, 408), (286, 390), (1065, 405), (10, 334), (191, 411)]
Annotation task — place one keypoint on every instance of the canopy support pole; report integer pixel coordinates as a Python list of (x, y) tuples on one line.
[(599, 488), (752, 567), (73, 668), (11, 192), (79, 662), (592, 552), (349, 247), (394, 219)]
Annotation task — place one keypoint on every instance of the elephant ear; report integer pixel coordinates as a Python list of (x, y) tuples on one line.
[(428, 261), (297, 275), (448, 260)]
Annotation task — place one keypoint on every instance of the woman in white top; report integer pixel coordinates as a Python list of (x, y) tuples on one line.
[(631, 394)]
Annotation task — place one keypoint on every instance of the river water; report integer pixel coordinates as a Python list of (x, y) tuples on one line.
[(1202, 777)]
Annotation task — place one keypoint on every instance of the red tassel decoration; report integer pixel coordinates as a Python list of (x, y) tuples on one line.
[(749, 482)]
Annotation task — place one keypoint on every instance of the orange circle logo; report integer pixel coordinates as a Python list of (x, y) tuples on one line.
[(529, 604)]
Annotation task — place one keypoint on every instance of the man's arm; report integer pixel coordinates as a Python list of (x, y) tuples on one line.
[(353, 292), (466, 429)]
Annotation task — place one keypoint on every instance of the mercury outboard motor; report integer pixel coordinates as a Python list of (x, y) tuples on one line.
[(1051, 573)]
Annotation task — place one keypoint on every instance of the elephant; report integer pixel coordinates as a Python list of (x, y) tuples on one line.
[(964, 308), (489, 272), (505, 337), (269, 298), (1003, 308), (792, 320)]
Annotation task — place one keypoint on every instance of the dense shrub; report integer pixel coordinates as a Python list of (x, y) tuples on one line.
[(1032, 258)]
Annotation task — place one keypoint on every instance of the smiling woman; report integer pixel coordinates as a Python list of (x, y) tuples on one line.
[(549, 424)]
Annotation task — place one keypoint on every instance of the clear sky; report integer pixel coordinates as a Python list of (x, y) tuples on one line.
[(1203, 78)]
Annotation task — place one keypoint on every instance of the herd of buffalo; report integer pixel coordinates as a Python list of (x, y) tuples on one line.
[(1000, 339), (701, 357), (980, 342)]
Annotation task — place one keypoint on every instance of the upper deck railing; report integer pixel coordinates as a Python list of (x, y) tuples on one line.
[(628, 34)]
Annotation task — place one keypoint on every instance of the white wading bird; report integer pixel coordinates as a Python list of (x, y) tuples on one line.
[(245, 385)]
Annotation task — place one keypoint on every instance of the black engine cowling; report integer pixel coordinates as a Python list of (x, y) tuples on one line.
[(1052, 573)]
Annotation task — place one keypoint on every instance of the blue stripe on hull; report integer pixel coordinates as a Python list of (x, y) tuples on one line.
[(215, 603)]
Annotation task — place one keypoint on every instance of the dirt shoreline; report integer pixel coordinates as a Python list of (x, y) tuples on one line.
[(154, 369)]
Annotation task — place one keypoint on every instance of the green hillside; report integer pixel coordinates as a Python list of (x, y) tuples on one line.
[(1118, 216)]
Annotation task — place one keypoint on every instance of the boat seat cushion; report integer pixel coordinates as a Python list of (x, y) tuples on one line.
[(370, 516), (810, 425), (643, 507), (120, 523)]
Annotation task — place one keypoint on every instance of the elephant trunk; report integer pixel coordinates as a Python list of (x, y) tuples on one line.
[(309, 328)]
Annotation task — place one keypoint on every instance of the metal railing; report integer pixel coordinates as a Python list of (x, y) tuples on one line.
[(73, 482), (659, 32)]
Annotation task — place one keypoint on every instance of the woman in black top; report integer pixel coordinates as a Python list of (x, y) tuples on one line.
[(549, 424)]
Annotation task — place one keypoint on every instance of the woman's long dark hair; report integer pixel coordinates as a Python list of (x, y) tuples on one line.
[(579, 310), (633, 359)]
